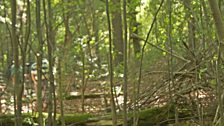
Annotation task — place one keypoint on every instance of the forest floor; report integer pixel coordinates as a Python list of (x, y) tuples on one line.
[(155, 92)]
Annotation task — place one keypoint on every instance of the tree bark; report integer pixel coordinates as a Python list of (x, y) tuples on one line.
[(66, 17), (134, 26), (83, 79), (17, 85), (96, 34), (50, 45), (113, 106), (218, 19), (220, 31), (191, 29), (60, 92), (125, 116), (39, 62), (117, 31)]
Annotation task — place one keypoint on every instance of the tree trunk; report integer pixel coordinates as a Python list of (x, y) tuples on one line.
[(113, 106), (170, 62), (191, 30), (134, 26), (50, 45), (117, 31), (83, 79), (60, 92), (217, 18), (220, 31), (125, 116), (17, 85), (68, 34), (24, 48), (96, 34), (137, 90), (39, 61)]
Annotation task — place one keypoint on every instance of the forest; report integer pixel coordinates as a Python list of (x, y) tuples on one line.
[(111, 63)]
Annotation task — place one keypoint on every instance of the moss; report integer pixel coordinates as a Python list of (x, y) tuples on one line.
[(147, 117), (154, 116), (75, 118)]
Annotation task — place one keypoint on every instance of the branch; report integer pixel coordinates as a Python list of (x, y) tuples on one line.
[(161, 49)]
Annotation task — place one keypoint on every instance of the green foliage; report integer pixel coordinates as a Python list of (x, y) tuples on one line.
[(202, 72), (213, 83), (152, 55), (8, 120), (29, 120), (85, 16)]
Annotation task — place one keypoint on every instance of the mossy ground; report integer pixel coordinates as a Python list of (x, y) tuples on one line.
[(147, 117)]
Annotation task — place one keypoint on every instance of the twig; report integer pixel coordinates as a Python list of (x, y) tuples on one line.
[(161, 49), (136, 114), (184, 118)]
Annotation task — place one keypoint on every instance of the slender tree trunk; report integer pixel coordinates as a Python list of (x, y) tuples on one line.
[(51, 50), (48, 24), (49, 89), (218, 19), (60, 92), (39, 61), (83, 79), (68, 34), (2, 52), (137, 91), (134, 27), (8, 49), (206, 23), (125, 116), (24, 48), (117, 31), (219, 86), (170, 62), (220, 31), (113, 106), (96, 34), (17, 86), (191, 29)]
